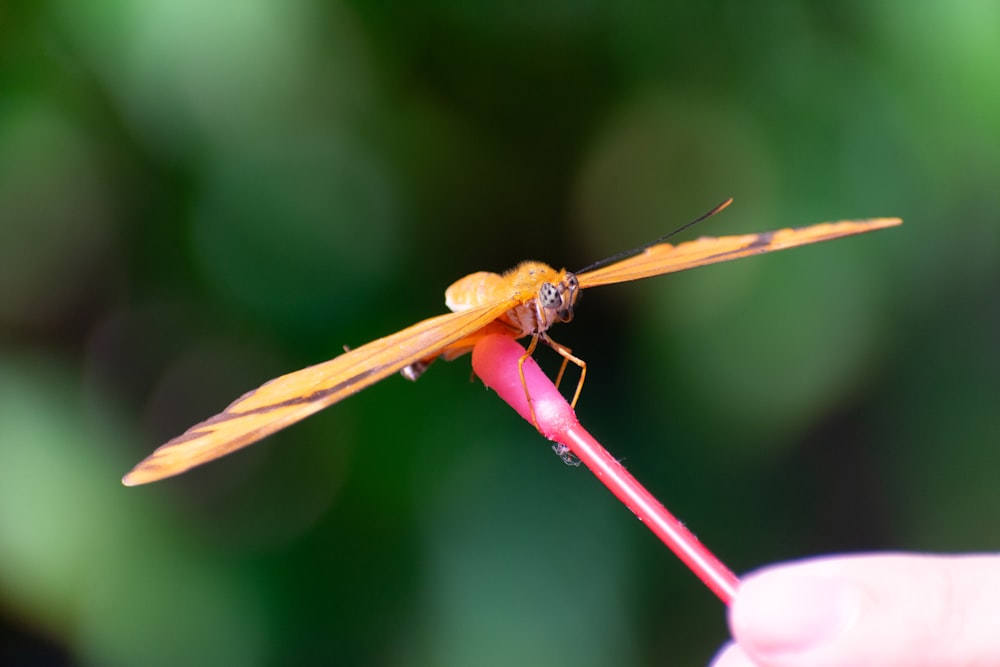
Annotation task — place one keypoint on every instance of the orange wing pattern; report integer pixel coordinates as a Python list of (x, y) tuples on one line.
[(292, 397), (524, 301), (666, 258)]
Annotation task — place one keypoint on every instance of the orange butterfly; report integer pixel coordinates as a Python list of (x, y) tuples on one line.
[(525, 301)]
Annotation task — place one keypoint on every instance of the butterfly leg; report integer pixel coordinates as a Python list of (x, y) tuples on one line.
[(562, 371), (568, 356), (520, 371)]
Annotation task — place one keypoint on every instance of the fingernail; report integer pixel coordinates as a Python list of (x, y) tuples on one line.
[(782, 613)]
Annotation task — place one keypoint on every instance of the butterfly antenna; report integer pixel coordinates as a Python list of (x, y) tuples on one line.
[(635, 251)]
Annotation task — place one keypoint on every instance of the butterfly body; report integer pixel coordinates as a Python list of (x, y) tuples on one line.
[(538, 295)]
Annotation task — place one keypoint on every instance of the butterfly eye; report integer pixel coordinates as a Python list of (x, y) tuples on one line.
[(549, 296)]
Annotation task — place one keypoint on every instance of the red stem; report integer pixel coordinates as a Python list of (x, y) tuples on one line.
[(495, 360)]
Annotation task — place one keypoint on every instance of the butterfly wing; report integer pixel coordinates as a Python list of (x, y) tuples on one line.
[(292, 397), (666, 258)]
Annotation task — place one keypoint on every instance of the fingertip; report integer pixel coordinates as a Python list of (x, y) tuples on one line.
[(780, 613), (893, 610), (731, 655)]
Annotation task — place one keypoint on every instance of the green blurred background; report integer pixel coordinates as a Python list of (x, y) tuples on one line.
[(195, 197)]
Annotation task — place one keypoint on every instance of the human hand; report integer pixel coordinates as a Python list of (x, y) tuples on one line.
[(892, 610)]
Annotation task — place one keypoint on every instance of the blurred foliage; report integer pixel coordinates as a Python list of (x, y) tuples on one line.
[(195, 197)]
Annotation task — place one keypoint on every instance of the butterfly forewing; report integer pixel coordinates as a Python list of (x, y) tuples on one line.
[(666, 258), (292, 397)]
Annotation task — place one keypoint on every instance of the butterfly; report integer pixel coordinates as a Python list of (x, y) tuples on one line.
[(524, 301)]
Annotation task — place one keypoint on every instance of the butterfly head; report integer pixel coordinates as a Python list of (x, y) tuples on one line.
[(556, 300)]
